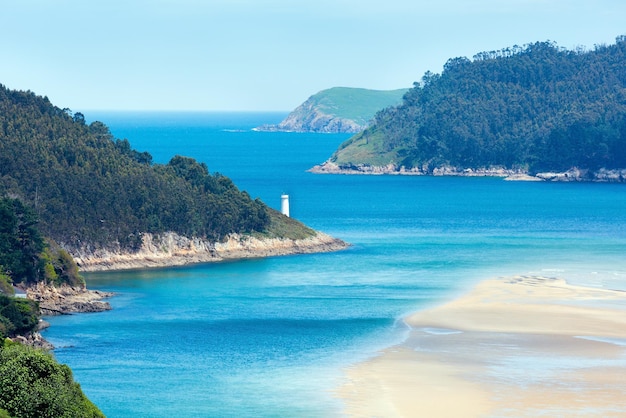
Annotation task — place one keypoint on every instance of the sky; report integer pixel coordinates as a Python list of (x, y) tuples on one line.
[(265, 55)]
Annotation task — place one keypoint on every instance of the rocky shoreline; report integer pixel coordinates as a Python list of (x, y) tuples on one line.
[(62, 300), (315, 121), (171, 249), (572, 175), (165, 250), (67, 300)]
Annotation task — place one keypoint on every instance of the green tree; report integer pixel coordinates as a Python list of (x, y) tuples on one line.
[(20, 241), (6, 284), (33, 384), (22, 315), (537, 107), (93, 191)]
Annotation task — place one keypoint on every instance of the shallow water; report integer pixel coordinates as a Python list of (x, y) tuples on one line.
[(269, 337)]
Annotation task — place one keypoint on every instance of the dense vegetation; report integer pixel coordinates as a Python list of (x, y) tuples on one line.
[(538, 107), (18, 316), (25, 257), (64, 181), (34, 385), (92, 190)]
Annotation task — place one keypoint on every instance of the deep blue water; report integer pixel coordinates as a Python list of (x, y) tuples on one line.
[(270, 337)]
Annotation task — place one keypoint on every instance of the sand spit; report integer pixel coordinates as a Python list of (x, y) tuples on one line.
[(514, 347)]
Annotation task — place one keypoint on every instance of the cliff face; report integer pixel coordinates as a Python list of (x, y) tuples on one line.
[(171, 249), (65, 299), (337, 110), (309, 118), (572, 175)]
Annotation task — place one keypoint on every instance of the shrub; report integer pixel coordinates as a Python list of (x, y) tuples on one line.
[(21, 316), (33, 384)]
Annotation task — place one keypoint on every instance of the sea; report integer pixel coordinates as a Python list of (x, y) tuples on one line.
[(272, 337)]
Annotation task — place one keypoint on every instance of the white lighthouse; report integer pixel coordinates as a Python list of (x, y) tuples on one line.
[(284, 204)]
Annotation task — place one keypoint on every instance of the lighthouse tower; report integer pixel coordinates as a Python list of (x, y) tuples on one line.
[(284, 204)]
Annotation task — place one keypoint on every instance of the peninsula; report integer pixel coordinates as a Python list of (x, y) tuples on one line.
[(337, 110), (73, 197), (105, 203), (539, 111)]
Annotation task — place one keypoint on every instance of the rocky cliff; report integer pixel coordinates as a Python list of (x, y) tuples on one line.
[(62, 300), (574, 174), (171, 249), (65, 299), (308, 118), (337, 110)]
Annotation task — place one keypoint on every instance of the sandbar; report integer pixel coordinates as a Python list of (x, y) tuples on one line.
[(511, 347)]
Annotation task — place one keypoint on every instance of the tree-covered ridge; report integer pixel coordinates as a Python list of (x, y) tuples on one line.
[(538, 107), (92, 190)]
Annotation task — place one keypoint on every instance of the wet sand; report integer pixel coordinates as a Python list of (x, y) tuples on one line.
[(512, 347)]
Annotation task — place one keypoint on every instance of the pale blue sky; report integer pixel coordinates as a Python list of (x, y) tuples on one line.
[(265, 54)]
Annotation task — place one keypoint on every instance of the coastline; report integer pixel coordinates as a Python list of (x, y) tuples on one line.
[(170, 249), (67, 300), (167, 250), (62, 300), (572, 175), (519, 346)]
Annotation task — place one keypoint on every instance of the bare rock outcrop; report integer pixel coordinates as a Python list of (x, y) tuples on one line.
[(330, 167), (602, 175), (308, 118), (33, 339), (171, 249), (337, 110), (574, 174), (67, 300)]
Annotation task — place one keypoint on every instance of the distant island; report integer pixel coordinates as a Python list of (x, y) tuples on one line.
[(337, 110), (534, 112)]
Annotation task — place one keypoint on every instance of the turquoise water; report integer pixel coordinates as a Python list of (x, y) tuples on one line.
[(270, 337)]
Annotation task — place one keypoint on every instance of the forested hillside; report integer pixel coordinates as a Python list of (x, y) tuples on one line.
[(91, 190), (532, 108), (25, 256)]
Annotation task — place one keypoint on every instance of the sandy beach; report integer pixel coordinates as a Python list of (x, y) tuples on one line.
[(512, 347)]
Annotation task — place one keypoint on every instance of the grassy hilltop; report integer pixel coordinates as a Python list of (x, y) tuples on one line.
[(338, 109)]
